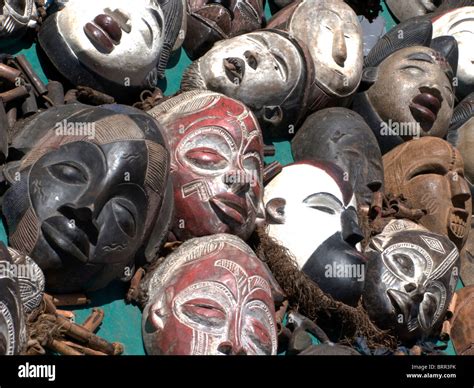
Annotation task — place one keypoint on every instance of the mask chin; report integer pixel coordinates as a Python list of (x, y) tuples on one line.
[(338, 269)]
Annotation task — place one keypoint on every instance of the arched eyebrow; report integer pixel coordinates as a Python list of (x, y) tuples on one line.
[(260, 39), (422, 57)]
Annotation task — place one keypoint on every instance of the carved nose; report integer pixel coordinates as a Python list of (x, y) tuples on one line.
[(229, 349), (237, 181), (339, 48), (460, 192), (83, 218)]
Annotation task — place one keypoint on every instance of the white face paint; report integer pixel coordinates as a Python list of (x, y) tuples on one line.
[(260, 61), (312, 210), (332, 32), (137, 53), (459, 23)]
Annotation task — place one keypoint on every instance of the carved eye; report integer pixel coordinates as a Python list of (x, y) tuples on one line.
[(124, 217), (251, 59), (413, 70), (206, 158), (205, 311), (68, 173), (405, 264), (324, 202)]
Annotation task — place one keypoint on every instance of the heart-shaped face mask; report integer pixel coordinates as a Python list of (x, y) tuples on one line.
[(310, 210), (411, 277), (211, 296), (89, 194)]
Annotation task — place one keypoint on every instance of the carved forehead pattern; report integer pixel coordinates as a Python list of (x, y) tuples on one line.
[(110, 129)]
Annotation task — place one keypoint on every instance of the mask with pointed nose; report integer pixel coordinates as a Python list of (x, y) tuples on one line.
[(212, 296), (411, 277), (332, 32), (310, 210), (429, 173), (90, 195), (216, 165)]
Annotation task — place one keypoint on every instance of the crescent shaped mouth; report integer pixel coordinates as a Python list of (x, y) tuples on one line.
[(425, 107)]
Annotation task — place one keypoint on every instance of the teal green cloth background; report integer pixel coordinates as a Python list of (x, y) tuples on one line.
[(122, 322)]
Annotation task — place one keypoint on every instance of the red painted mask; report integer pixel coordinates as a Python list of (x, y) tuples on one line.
[(211, 296), (216, 164)]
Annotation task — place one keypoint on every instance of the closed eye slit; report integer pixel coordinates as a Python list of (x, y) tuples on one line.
[(325, 202), (437, 170), (281, 66)]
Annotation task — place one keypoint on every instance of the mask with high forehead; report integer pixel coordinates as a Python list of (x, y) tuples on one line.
[(268, 71), (429, 174), (113, 46), (310, 210), (331, 31), (420, 92), (91, 194), (15, 17), (211, 21), (211, 296), (459, 23), (12, 319), (461, 134), (411, 277), (341, 136), (418, 72), (216, 164)]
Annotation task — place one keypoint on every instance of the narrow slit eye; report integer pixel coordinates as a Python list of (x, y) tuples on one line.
[(251, 60), (436, 170), (68, 173), (206, 158), (124, 218)]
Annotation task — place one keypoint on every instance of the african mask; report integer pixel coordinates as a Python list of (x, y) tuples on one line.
[(411, 277), (332, 32), (211, 21), (211, 296), (461, 134), (216, 164), (406, 9), (30, 279), (90, 195), (342, 136), (419, 79), (310, 210), (268, 71), (459, 23), (429, 174), (462, 322), (12, 319), (117, 47), (15, 17)]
